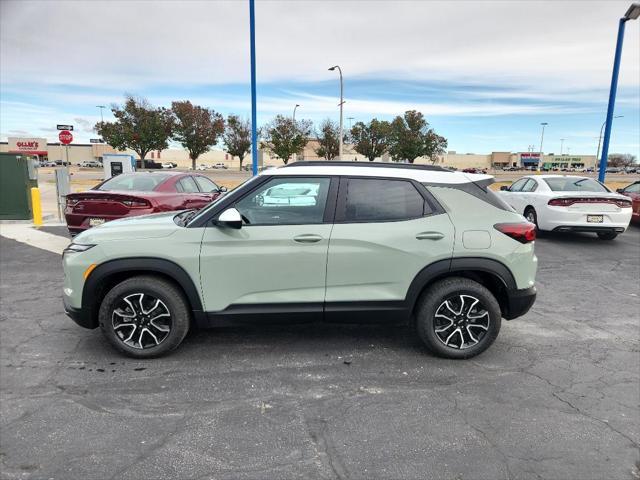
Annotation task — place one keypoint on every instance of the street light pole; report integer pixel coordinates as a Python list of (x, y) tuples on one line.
[(544, 124), (632, 13), (254, 110), (295, 155), (341, 104), (600, 138), (101, 107)]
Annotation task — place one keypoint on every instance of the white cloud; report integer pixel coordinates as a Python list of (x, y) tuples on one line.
[(128, 44)]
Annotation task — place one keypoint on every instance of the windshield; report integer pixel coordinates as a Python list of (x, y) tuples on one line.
[(575, 184), (139, 182), (232, 192)]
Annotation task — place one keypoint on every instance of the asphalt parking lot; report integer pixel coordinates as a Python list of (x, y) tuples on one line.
[(556, 397)]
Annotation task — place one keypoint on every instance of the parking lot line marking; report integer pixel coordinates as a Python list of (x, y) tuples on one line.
[(34, 238)]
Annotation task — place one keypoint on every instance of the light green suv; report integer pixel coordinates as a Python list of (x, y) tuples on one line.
[(344, 242)]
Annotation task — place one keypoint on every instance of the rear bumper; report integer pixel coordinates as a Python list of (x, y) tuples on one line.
[(566, 219), (79, 315), (519, 302), (589, 229)]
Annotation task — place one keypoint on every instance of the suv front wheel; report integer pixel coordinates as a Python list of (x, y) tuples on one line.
[(144, 316), (458, 318)]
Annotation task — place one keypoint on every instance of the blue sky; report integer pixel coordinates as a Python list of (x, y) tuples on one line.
[(485, 74)]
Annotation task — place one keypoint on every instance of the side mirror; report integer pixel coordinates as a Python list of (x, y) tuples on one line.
[(620, 190), (504, 188), (230, 218), (222, 189)]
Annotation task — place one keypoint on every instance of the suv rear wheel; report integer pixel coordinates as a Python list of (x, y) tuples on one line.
[(458, 318), (144, 316)]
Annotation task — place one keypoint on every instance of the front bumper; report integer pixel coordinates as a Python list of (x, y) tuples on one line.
[(519, 302), (79, 315)]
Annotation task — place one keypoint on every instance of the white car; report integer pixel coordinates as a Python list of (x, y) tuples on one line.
[(169, 165), (568, 203), (90, 164), (220, 165)]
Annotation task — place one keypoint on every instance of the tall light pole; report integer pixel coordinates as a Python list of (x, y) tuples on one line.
[(295, 155), (544, 124), (254, 110), (101, 107), (341, 103), (561, 145), (350, 120), (632, 13), (600, 138)]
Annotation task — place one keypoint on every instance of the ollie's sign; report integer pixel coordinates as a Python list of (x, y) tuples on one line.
[(35, 146), (65, 137)]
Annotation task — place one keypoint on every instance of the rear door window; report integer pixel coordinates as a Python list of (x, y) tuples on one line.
[(381, 200), (187, 185), (517, 186)]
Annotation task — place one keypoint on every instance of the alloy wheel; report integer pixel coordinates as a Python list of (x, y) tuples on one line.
[(141, 320), (461, 321)]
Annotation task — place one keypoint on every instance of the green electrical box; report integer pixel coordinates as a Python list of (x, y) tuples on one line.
[(18, 173)]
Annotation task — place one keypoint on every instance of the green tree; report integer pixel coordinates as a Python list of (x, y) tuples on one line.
[(237, 137), (284, 136), (139, 127), (411, 138), (328, 140), (372, 139), (196, 128)]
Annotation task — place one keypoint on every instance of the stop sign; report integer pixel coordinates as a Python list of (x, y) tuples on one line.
[(65, 137)]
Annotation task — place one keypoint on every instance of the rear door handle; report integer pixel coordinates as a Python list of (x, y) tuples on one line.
[(430, 236), (307, 238)]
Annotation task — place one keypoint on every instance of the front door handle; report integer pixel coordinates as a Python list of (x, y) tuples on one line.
[(430, 236), (307, 238)]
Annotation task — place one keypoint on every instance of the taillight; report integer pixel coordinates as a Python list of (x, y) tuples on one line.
[(136, 203), (568, 201), (523, 232)]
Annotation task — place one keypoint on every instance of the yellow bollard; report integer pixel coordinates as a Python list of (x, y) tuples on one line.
[(36, 206)]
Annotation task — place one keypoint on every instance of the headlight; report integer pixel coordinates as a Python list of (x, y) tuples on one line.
[(77, 247)]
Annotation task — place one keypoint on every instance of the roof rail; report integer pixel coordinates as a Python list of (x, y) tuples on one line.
[(340, 163)]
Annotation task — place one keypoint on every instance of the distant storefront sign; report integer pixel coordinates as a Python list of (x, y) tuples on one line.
[(32, 146), (96, 140), (529, 158)]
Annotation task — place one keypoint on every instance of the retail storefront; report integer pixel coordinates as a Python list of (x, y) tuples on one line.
[(28, 146)]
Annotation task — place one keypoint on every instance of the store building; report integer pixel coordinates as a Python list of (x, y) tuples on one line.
[(79, 152)]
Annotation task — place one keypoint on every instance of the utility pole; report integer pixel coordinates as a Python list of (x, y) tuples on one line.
[(254, 110), (561, 145), (544, 124), (632, 14), (341, 104)]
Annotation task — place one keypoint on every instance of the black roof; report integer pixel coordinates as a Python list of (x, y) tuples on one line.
[(339, 163)]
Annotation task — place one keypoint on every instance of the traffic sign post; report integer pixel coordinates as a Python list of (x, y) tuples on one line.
[(65, 137)]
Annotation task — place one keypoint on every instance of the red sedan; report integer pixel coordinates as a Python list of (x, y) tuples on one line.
[(132, 194), (633, 192)]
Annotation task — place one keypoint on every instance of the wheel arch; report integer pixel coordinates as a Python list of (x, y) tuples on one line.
[(106, 275), (493, 274)]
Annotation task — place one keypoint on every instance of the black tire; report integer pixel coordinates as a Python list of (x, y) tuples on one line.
[(607, 235), (532, 216), (151, 288), (446, 290)]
